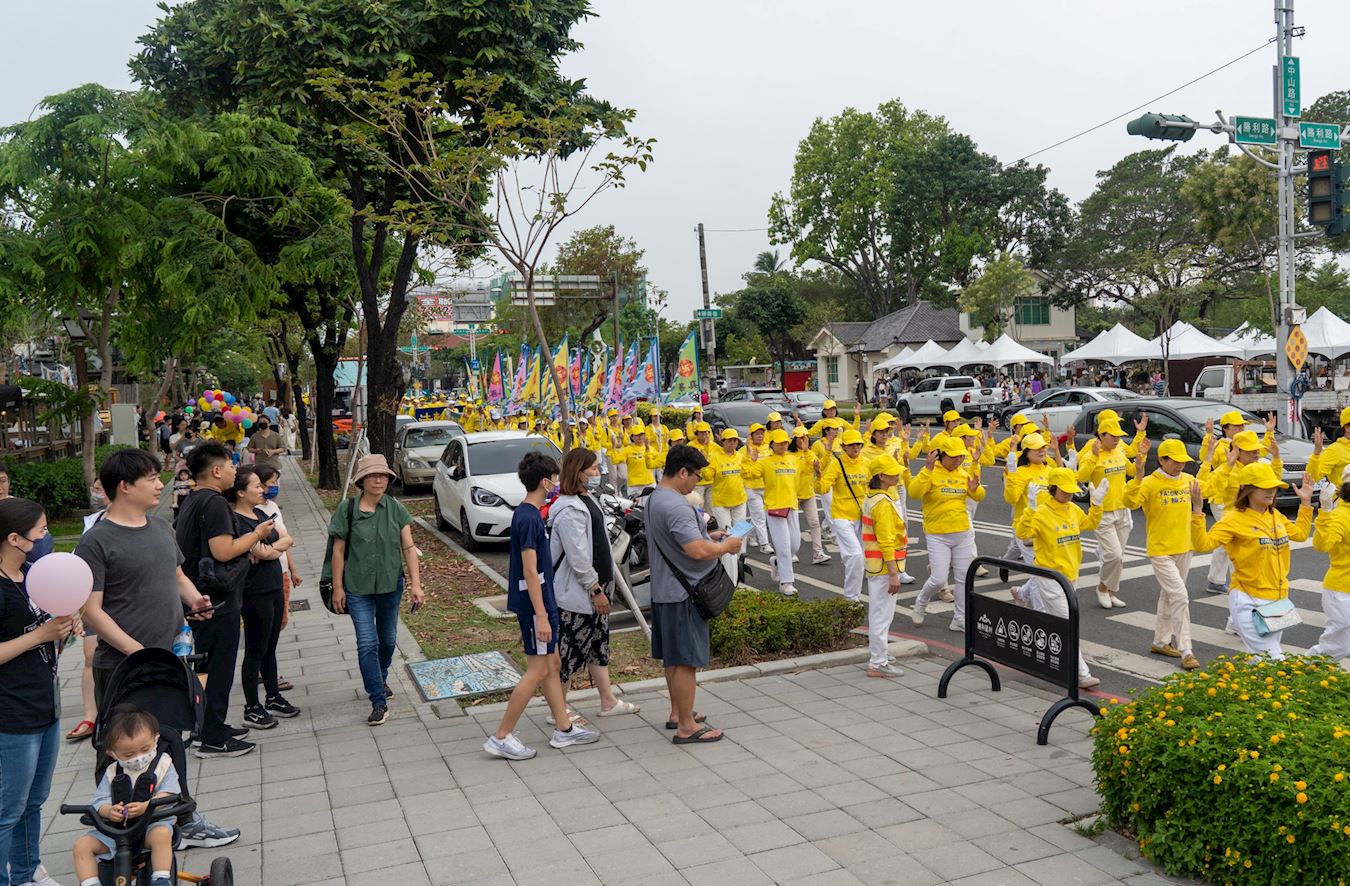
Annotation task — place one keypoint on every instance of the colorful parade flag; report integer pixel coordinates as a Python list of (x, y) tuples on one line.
[(530, 391), (559, 370), (518, 386), (575, 375), (685, 384), (644, 387), (473, 380), (494, 391), (595, 385), (614, 389)]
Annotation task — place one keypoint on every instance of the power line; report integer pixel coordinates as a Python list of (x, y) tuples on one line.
[(1149, 102)]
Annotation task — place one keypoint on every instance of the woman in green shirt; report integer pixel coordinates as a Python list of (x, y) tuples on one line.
[(372, 542)]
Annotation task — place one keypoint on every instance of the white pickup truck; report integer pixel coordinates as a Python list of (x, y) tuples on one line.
[(965, 393), (1251, 386)]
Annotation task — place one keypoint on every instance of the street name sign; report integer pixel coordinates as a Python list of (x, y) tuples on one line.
[(1326, 136), (708, 314), (1289, 87), (1254, 130)]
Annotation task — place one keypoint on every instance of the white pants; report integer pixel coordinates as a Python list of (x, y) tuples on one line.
[(1218, 561), (1335, 640), (706, 492), (1174, 604), (1050, 596), (754, 506), (971, 505), (1112, 535), (1020, 550), (1240, 609), (726, 518), (851, 553), (785, 534), (823, 502), (810, 509), (949, 558), (902, 504), (880, 613)]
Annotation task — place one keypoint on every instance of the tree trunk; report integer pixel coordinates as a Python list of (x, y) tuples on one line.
[(324, 365), (170, 374), (547, 355), (295, 395)]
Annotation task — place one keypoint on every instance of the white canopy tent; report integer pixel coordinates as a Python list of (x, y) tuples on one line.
[(1112, 346), (1184, 342), (1252, 341), (1327, 334), (965, 353), (929, 355), (895, 361), (1004, 351)]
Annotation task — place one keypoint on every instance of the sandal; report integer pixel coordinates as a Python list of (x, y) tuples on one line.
[(698, 737), (698, 718), (620, 707), (83, 729), (571, 715)]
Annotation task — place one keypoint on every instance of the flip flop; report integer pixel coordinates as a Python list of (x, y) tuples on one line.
[(698, 718), (697, 737), (83, 729)]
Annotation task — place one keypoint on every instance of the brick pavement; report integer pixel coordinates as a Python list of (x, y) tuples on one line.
[(825, 777)]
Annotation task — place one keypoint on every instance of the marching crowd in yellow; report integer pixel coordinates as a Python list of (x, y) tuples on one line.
[(853, 485)]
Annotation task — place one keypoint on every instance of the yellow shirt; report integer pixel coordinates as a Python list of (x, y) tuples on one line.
[(641, 460), (847, 479), (778, 473), (1166, 503), (1017, 484), (704, 478), (806, 473), (883, 533), (1331, 463), (1333, 538), (1222, 485), (1054, 529), (1131, 449), (1258, 545), (728, 486), (944, 495), (1114, 467), (824, 453), (762, 451), (818, 429)]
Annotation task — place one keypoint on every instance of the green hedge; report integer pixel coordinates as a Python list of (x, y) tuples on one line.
[(56, 485), (759, 624), (673, 417), (1239, 773)]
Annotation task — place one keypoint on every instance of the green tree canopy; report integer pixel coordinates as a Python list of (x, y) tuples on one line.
[(991, 298)]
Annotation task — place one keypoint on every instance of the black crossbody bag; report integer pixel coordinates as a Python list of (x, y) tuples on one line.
[(326, 583), (711, 594)]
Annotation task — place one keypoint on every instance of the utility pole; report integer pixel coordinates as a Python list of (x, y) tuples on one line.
[(708, 327), (1283, 133)]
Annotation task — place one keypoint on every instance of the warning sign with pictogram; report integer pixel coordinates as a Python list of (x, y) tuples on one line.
[(1297, 348)]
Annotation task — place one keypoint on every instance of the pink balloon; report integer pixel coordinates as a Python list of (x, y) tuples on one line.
[(60, 583), (208, 395)]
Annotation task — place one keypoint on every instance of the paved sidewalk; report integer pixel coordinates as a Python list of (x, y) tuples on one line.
[(825, 777)]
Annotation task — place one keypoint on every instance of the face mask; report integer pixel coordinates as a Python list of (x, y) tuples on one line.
[(98, 499), (41, 548), (593, 483), (137, 765), (271, 492)]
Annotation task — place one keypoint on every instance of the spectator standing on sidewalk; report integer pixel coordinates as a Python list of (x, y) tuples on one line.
[(368, 577), (266, 444), (679, 632), (290, 576)]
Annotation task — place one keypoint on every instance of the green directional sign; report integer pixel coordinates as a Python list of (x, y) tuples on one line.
[(1326, 136), (1254, 130), (708, 314), (1289, 88)]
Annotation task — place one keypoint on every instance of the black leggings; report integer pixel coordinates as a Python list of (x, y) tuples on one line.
[(262, 630)]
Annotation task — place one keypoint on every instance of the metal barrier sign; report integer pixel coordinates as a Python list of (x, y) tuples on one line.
[(1036, 643)]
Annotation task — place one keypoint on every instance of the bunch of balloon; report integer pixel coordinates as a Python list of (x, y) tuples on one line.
[(224, 404)]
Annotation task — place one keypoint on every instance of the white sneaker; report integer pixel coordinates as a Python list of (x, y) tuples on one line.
[(947, 595), (886, 670), (820, 559), (1117, 602), (773, 568), (575, 735), (795, 558), (42, 878), (1018, 597), (787, 590), (766, 549), (916, 614), (509, 748), (957, 625), (1104, 599), (906, 578), (981, 572), (1089, 682), (1229, 627)]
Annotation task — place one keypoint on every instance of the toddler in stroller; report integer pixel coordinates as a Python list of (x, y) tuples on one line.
[(151, 699)]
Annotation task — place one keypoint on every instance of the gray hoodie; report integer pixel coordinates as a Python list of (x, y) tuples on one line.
[(570, 531)]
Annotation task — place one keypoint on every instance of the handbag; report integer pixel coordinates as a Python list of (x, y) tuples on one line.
[(214, 577), (326, 582), (1275, 616), (778, 512), (711, 594)]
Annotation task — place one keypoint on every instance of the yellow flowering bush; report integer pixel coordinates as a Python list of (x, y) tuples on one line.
[(1235, 773)]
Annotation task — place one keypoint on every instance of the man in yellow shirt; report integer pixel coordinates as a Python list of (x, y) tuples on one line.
[(1105, 461), (1055, 526), (1165, 498), (943, 487), (883, 540), (846, 477)]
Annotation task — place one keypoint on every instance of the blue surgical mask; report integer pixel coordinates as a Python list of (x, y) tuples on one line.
[(271, 492), (593, 483), (41, 548)]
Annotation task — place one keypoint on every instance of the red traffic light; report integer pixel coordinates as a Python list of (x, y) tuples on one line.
[(1319, 162)]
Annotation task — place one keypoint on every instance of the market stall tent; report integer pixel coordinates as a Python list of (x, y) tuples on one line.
[(965, 353), (895, 361), (1004, 351), (1184, 342), (1110, 346), (1252, 341), (1327, 334), (929, 355)]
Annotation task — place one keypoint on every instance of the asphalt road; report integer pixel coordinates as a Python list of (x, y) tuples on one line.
[(1115, 643)]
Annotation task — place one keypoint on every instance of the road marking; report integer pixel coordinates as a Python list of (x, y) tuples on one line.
[(1314, 617), (1205, 634), (1142, 666)]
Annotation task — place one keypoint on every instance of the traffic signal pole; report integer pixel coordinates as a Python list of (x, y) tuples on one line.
[(1284, 368), (708, 327)]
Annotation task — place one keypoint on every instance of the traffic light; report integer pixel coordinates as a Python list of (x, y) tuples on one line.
[(1161, 126), (1328, 193)]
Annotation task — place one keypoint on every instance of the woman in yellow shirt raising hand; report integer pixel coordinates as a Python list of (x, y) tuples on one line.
[(808, 470), (943, 486), (778, 472), (1332, 537)]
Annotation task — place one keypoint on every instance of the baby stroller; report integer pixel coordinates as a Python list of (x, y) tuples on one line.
[(157, 681)]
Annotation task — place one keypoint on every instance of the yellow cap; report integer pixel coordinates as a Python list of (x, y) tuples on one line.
[(884, 464), (951, 415), (702, 427), (829, 404), (697, 410), (965, 430), (799, 431), (612, 412), (636, 429), (1112, 427), (953, 447), (1232, 417), (837, 424), (851, 437), (772, 416), (730, 434), (1261, 475), (1034, 441), (1107, 414), (882, 422), (1345, 416), (756, 426), (1065, 479), (778, 435), (1175, 450), (1018, 420), (1027, 428), (1247, 441)]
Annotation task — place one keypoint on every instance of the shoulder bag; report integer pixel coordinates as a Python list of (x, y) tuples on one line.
[(213, 576), (843, 472), (711, 594), (326, 583), (1275, 616)]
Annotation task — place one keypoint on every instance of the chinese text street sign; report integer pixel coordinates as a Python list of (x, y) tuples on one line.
[(708, 314), (1289, 89), (1326, 136), (1254, 130)]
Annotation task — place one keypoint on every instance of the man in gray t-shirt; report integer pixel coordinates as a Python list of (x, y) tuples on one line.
[(676, 533)]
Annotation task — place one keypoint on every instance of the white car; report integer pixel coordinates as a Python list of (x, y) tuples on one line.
[(1062, 407), (417, 446), (476, 487)]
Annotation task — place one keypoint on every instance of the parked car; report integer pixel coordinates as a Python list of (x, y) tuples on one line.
[(1183, 418), (754, 395), (401, 421), (1007, 412), (1061, 408), (964, 392), (807, 405), (476, 487), (741, 415), (417, 445)]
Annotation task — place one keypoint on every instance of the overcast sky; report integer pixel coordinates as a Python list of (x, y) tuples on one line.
[(728, 87)]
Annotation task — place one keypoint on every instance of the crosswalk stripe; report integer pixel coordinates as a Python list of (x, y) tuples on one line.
[(1145, 667), (1314, 617), (1205, 634)]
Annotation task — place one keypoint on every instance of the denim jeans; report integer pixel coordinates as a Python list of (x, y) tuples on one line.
[(375, 618), (26, 765)]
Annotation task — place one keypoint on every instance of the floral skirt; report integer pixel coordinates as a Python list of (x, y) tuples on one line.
[(583, 639)]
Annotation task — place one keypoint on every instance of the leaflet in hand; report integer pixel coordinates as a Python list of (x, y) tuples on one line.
[(741, 529)]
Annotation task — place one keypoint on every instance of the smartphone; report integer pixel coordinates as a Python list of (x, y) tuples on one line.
[(741, 529), (205, 609), (415, 606)]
